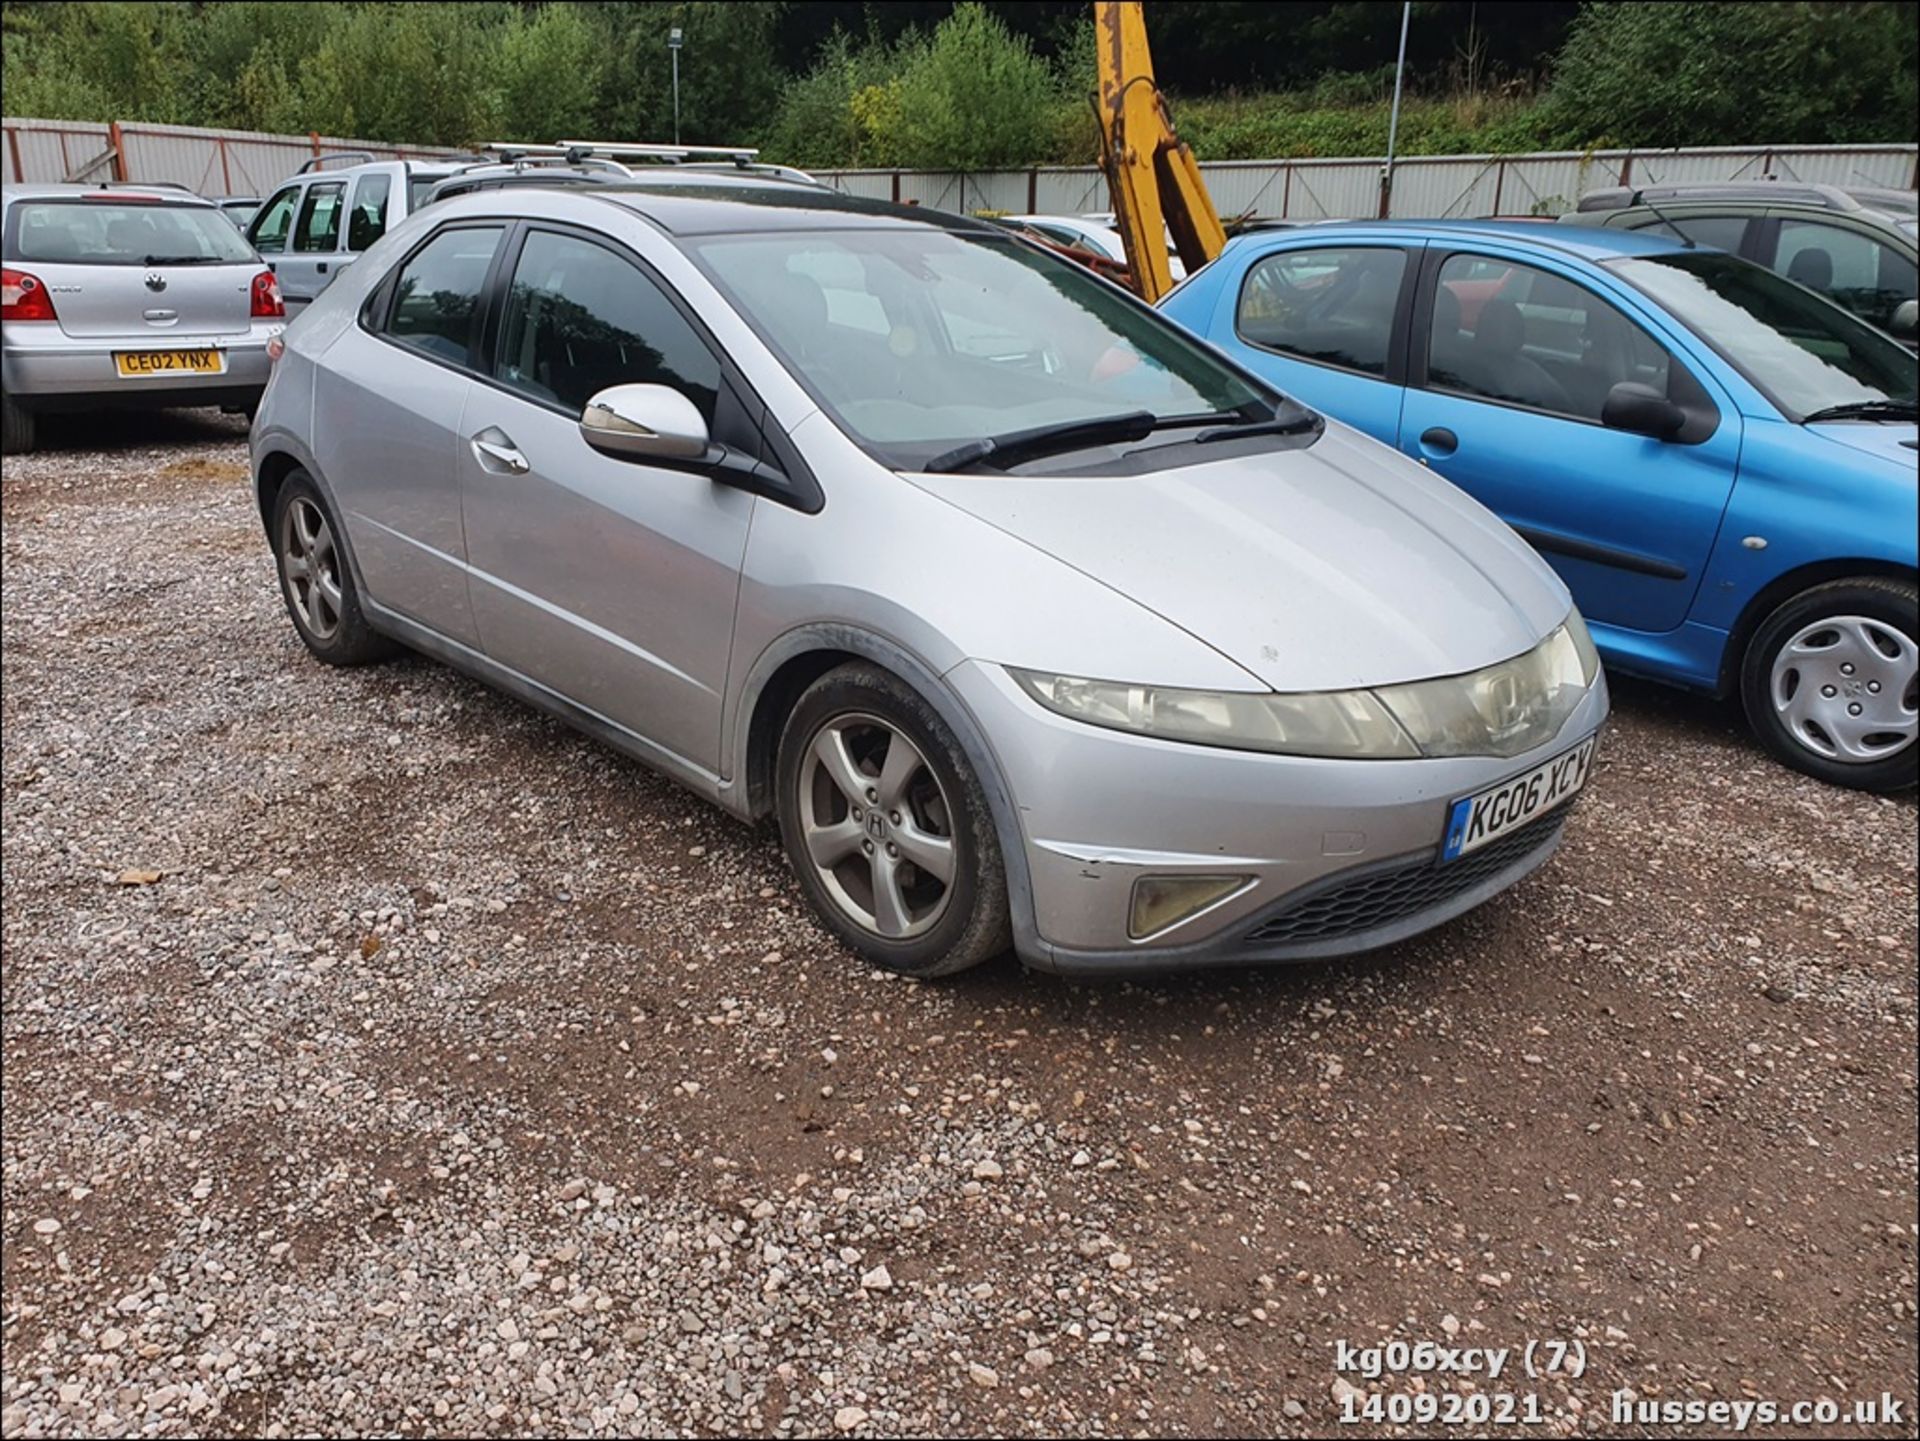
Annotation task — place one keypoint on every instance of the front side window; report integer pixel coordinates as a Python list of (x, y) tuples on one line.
[(1334, 307), (1509, 332), (580, 318), (120, 232), (368, 222), (319, 227), (275, 220), (1805, 354), (917, 341), (436, 299), (1847, 266)]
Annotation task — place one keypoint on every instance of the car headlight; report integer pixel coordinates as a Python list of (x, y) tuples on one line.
[(1502, 710), (1505, 709), (1348, 723)]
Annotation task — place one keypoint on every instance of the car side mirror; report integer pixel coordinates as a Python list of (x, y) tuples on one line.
[(1642, 410), (1905, 324), (644, 422)]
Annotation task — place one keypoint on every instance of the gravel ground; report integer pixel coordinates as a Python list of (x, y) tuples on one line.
[(383, 1057)]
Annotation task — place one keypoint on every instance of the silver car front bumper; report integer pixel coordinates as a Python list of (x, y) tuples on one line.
[(1339, 856)]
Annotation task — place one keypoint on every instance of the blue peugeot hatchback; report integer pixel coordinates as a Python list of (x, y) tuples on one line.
[(1719, 463)]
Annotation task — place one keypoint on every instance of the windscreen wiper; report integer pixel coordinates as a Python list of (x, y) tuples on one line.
[(179, 260), (1867, 410), (1299, 423), (1018, 445)]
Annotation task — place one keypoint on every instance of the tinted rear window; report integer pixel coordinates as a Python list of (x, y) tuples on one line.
[(103, 232)]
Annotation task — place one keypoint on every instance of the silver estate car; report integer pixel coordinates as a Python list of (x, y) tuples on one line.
[(128, 297), (1030, 618)]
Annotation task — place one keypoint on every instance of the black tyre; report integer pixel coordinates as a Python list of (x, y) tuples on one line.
[(315, 580), (16, 427), (1829, 682), (887, 827)]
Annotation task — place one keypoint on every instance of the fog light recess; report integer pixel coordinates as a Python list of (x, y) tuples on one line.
[(1163, 901)]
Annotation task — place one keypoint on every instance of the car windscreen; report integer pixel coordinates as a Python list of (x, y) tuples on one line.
[(917, 341), (1803, 352), (121, 232)]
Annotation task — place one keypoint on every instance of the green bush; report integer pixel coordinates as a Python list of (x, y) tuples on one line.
[(975, 97), (1709, 73), (837, 113)]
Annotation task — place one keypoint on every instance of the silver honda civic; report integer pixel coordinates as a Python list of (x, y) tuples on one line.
[(1033, 621)]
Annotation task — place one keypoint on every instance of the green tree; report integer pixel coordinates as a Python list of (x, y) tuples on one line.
[(730, 72), (98, 61), (842, 111), (549, 75), (975, 98), (406, 73), (244, 61)]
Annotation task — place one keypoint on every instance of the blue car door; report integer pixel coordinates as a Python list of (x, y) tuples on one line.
[(1509, 369), (1325, 323)]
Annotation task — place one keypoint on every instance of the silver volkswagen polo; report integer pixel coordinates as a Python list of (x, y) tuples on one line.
[(1032, 620), (126, 297)]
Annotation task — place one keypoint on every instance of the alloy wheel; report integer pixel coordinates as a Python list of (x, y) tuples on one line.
[(1845, 688), (877, 826), (311, 564)]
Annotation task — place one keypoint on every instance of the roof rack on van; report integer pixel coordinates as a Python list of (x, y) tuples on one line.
[(577, 157), (318, 162), (741, 155)]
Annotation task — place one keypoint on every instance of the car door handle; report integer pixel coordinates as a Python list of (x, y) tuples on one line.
[(496, 456), (321, 267), (1439, 441)]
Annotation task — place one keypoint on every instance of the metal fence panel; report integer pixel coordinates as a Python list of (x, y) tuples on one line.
[(50, 149), (244, 162), (868, 184), (213, 162), (1075, 190), (1424, 187)]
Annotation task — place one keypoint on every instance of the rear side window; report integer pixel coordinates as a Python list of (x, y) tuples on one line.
[(580, 318), (1847, 266), (270, 226), (368, 221), (436, 299), (1333, 307), (120, 232), (319, 227)]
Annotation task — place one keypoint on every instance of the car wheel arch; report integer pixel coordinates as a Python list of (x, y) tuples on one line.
[(270, 474), (793, 662), (1783, 588)]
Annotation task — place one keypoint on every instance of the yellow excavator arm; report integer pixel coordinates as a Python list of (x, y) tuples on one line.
[(1156, 184)]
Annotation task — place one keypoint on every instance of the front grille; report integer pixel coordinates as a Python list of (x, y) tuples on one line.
[(1382, 896)]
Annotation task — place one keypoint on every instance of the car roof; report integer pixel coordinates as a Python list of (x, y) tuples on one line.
[(1756, 194), (1587, 242), (160, 190), (713, 204)]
